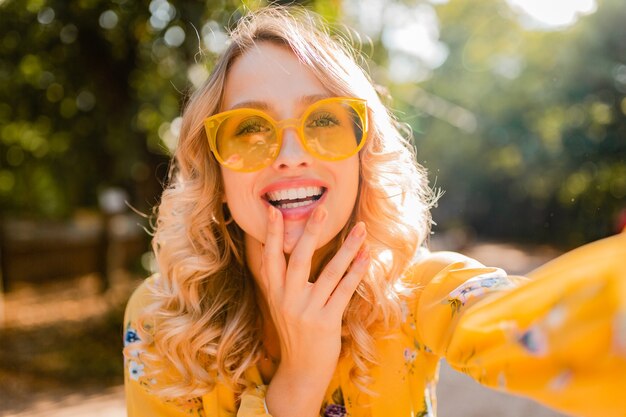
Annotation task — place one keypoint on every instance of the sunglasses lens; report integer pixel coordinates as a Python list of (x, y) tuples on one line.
[(246, 141), (334, 129)]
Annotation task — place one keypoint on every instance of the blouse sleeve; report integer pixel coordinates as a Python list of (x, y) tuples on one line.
[(253, 402), (558, 336), (140, 401)]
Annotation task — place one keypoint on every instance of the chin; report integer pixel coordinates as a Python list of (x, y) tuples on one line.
[(291, 238)]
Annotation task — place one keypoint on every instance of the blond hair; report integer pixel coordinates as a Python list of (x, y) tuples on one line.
[(204, 322)]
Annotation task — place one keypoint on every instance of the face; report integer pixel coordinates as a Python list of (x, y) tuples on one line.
[(269, 77)]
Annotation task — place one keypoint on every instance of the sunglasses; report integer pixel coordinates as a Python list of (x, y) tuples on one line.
[(248, 140)]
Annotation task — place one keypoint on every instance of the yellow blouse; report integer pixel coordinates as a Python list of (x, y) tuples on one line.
[(558, 336)]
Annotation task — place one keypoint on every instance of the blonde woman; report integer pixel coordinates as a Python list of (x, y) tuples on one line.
[(294, 279)]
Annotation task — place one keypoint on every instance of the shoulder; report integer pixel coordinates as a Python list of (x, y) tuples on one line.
[(137, 320), (140, 299), (426, 265)]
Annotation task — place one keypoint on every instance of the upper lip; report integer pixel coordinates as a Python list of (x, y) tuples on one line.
[(292, 183)]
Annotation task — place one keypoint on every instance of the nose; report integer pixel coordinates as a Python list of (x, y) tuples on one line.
[(292, 154)]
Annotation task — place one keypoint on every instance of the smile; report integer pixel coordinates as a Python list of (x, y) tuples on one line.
[(294, 197)]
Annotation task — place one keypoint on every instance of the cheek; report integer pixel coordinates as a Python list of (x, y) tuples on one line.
[(245, 210), (234, 196), (236, 186), (348, 189), (349, 182), (229, 183)]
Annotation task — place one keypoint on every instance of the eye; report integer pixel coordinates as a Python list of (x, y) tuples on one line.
[(322, 119), (252, 126)]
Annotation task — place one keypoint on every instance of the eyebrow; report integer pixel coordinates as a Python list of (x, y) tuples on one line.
[(303, 101)]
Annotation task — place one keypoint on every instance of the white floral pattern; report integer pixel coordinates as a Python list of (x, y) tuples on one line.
[(409, 355), (480, 285), (135, 370)]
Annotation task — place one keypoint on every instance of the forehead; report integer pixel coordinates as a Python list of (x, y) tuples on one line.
[(269, 73)]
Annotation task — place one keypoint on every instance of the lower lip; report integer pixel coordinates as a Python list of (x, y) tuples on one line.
[(300, 213)]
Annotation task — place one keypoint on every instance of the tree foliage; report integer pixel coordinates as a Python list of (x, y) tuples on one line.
[(526, 130), (91, 91)]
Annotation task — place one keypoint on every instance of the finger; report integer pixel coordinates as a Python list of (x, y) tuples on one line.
[(299, 267), (339, 264), (273, 258), (339, 299)]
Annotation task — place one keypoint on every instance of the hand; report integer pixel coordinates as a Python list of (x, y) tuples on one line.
[(308, 316)]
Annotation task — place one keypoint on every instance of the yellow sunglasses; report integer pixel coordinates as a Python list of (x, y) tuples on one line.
[(247, 140)]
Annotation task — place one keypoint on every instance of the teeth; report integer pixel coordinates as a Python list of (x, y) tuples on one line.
[(294, 193), (294, 205)]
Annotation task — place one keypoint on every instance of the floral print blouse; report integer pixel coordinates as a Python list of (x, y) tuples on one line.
[(558, 336)]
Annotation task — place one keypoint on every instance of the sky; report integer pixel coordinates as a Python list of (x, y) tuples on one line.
[(552, 14)]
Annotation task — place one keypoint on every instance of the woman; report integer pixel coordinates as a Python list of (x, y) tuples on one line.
[(293, 278)]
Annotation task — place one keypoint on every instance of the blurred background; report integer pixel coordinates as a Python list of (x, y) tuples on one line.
[(517, 107)]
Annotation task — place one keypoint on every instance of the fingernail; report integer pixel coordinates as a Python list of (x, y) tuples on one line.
[(319, 215), (359, 230)]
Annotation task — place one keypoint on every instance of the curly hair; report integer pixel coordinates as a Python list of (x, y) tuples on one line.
[(204, 321)]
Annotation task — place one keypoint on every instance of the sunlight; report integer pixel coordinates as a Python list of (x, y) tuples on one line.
[(553, 14)]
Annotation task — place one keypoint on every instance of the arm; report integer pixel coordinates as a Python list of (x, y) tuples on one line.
[(558, 338), (448, 284)]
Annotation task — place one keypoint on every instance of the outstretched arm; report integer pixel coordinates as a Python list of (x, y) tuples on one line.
[(558, 337)]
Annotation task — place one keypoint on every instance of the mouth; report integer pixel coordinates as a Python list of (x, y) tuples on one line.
[(297, 197)]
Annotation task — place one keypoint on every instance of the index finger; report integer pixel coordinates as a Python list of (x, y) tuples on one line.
[(273, 256), (299, 267)]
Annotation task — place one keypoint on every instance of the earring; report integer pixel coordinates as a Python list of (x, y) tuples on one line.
[(226, 215)]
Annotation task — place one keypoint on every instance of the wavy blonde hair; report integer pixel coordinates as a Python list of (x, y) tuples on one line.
[(204, 323)]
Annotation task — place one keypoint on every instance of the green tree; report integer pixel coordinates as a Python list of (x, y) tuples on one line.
[(527, 136), (91, 92)]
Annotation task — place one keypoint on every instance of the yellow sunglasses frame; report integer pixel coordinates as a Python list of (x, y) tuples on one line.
[(213, 123)]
